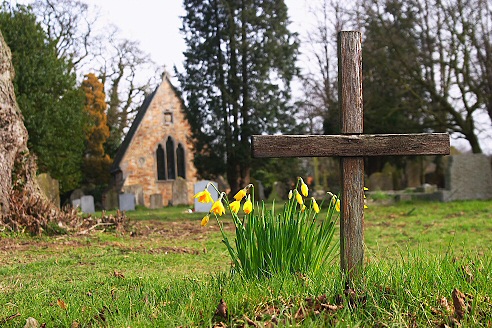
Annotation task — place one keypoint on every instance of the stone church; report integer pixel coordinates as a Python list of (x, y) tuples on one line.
[(155, 160)]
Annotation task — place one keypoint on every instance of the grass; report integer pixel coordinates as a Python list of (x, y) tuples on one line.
[(174, 272)]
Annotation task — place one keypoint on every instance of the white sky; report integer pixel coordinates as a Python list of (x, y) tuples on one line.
[(155, 24)]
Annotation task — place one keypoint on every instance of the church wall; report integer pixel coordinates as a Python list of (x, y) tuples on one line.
[(139, 165)]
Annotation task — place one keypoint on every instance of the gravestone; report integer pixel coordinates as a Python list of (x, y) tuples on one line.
[(200, 186), (110, 199), (469, 176), (87, 204), (352, 145), (156, 201), (50, 188), (76, 203), (259, 189), (380, 181), (413, 173), (76, 194), (127, 202), (136, 190), (180, 192)]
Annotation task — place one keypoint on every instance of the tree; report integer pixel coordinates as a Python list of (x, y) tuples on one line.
[(447, 72), (239, 63), (96, 161), (119, 73), (50, 101)]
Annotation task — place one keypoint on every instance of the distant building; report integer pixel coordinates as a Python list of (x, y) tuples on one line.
[(156, 153)]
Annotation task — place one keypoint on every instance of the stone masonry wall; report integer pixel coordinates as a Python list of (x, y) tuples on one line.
[(139, 162)]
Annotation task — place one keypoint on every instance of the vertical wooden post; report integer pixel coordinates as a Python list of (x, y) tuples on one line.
[(352, 168)]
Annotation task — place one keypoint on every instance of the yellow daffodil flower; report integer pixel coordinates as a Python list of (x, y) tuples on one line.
[(218, 208), (299, 198), (337, 205), (365, 206), (315, 205), (290, 194), (365, 188), (240, 194), (204, 197), (205, 220), (303, 208), (304, 188), (234, 206), (248, 205)]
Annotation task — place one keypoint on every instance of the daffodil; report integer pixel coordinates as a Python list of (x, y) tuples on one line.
[(303, 208), (248, 205), (315, 205), (218, 207), (335, 200), (234, 206), (299, 198), (304, 188), (204, 196), (240, 194), (205, 220), (290, 194)]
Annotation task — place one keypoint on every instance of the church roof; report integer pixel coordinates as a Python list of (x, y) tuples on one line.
[(136, 122), (129, 136)]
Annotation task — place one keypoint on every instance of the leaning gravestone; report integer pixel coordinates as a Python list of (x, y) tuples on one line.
[(127, 202), (469, 176), (87, 204), (200, 186), (50, 187), (110, 199), (180, 192)]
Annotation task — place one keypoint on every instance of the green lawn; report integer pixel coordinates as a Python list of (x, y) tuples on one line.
[(173, 272)]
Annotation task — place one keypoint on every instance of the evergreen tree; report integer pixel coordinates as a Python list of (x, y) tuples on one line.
[(96, 161), (239, 63), (50, 101)]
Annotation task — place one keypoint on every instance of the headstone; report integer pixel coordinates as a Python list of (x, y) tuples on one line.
[(87, 204), (76, 194), (180, 192), (469, 176), (156, 201), (50, 187), (279, 191), (76, 203), (259, 189), (200, 186), (110, 199), (136, 190), (127, 202), (413, 173), (380, 181)]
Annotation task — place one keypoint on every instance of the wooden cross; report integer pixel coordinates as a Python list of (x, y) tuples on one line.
[(351, 147)]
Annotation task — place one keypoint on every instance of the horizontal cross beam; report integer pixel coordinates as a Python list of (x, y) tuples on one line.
[(350, 145)]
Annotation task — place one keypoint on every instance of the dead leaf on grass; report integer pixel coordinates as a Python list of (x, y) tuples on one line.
[(221, 309), (118, 274), (461, 307), (31, 323), (62, 304), (10, 317)]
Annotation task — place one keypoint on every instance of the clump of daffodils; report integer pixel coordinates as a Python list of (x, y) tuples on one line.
[(218, 208)]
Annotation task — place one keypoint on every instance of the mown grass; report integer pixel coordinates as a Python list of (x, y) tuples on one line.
[(173, 273)]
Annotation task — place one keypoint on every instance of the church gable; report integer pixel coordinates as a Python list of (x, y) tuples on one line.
[(156, 152)]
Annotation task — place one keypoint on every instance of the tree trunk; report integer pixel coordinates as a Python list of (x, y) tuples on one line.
[(17, 167), (13, 134)]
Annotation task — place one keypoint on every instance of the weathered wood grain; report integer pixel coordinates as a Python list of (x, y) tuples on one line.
[(350, 145)]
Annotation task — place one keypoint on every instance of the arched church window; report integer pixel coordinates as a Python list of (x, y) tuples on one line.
[(171, 162), (161, 163), (180, 161)]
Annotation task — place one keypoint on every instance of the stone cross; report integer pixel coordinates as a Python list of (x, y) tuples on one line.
[(351, 146)]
